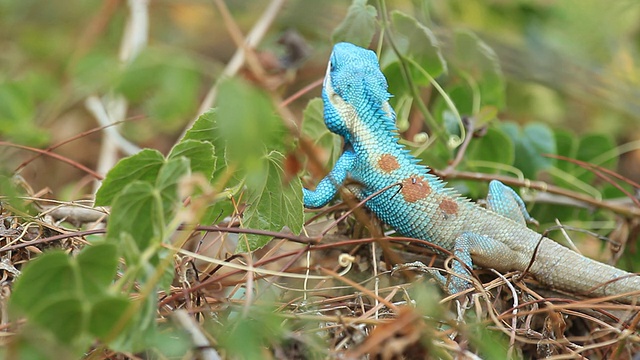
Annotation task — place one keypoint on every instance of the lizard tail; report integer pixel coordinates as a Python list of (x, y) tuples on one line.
[(564, 269)]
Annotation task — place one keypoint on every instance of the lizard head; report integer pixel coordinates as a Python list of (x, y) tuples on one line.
[(354, 91)]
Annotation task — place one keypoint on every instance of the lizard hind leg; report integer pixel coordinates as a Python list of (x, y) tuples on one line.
[(483, 249), (505, 201), (460, 279)]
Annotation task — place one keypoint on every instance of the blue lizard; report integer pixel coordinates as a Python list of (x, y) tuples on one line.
[(418, 204)]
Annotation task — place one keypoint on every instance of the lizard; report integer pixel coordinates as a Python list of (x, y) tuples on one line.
[(407, 196)]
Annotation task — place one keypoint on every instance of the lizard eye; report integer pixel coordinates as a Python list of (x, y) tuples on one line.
[(332, 62)]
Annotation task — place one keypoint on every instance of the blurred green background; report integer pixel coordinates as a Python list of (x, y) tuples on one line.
[(571, 64)]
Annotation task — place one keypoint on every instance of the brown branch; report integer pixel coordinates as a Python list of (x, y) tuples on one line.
[(301, 92), (598, 171), (589, 166), (543, 186), (75, 137), (235, 230), (55, 156)]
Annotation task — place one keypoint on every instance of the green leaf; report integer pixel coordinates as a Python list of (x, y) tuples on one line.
[(426, 300), (137, 211), (96, 71), (15, 104), (169, 275), (491, 344), (359, 26), (246, 336), (172, 342), (451, 122), (64, 317), (417, 42), (106, 313), (165, 85), (127, 245), (34, 344), (48, 277), (175, 96), (437, 156), (167, 184), (200, 154), (97, 265), (203, 129), (17, 114), (13, 193), (313, 127), (247, 123), (479, 63), (142, 328), (531, 143), (170, 174), (55, 290), (217, 212), (272, 205), (313, 120), (495, 146), (590, 149), (143, 166), (567, 145), (462, 97), (142, 210)]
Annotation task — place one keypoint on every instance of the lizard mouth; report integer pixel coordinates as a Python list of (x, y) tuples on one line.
[(327, 85), (327, 75)]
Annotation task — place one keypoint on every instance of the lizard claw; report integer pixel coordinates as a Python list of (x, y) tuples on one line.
[(451, 285)]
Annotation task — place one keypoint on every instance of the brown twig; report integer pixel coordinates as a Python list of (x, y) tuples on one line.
[(75, 137), (253, 39), (598, 171), (543, 186), (73, 163), (462, 150), (301, 92), (358, 206)]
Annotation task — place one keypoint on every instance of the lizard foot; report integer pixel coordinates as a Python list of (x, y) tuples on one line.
[(451, 285)]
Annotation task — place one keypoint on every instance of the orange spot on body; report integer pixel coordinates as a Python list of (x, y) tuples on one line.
[(448, 206), (388, 163), (415, 188)]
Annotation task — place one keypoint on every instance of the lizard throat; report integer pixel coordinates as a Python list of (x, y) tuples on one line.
[(359, 127), (346, 112)]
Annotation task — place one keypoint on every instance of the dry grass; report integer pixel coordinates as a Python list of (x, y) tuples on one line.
[(340, 298)]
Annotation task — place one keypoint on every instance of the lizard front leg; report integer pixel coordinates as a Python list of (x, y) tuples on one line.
[(506, 202), (328, 187)]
